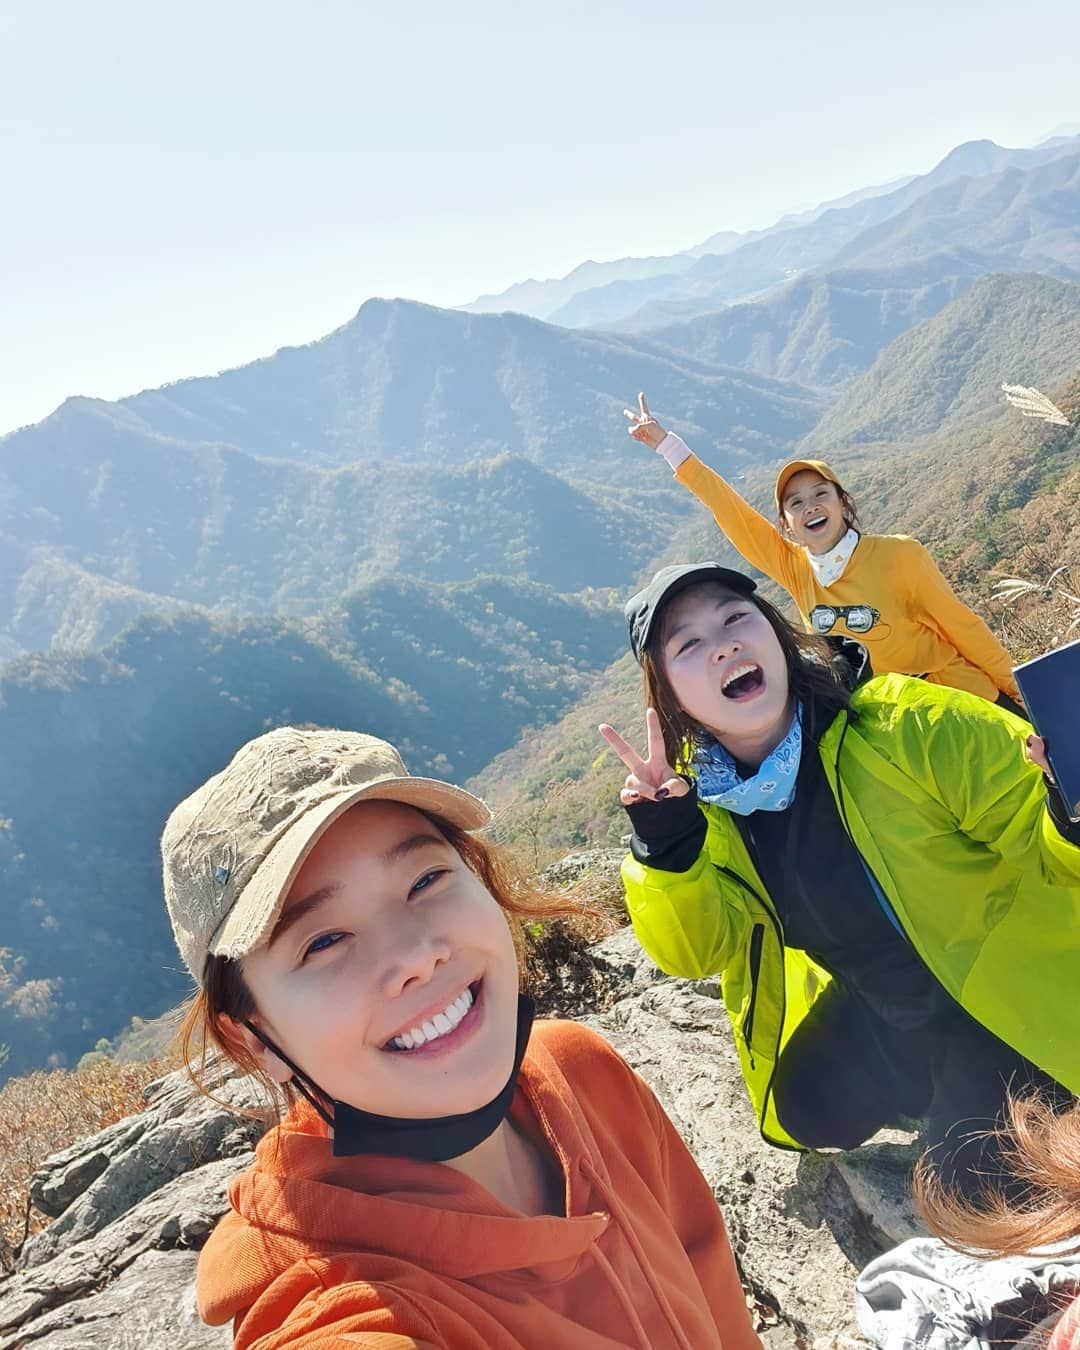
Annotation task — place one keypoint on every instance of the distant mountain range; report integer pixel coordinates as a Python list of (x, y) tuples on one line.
[(826, 327), (1017, 219), (541, 299), (405, 382), (731, 267), (412, 440)]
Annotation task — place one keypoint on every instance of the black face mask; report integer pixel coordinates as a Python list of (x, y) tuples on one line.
[(433, 1140)]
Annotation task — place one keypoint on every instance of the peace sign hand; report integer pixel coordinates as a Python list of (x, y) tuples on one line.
[(644, 427), (653, 778)]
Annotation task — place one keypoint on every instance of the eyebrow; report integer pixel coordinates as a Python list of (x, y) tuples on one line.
[(724, 600), (300, 909), (404, 847), (798, 492)]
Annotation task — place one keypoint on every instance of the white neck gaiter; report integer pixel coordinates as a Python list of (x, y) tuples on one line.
[(829, 567)]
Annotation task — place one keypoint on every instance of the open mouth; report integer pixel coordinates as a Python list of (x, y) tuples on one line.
[(743, 682), (442, 1028), (816, 523)]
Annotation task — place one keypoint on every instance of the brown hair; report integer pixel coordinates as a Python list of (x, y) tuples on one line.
[(202, 1035), (814, 676), (849, 510), (1041, 1149)]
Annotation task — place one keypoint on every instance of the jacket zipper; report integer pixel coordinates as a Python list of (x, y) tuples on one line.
[(741, 881), (757, 937)]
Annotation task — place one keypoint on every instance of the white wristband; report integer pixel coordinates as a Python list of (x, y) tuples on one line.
[(674, 450)]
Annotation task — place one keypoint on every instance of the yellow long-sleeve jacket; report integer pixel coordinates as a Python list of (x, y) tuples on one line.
[(924, 629)]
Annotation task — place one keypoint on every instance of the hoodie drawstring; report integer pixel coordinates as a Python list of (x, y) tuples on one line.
[(612, 1202)]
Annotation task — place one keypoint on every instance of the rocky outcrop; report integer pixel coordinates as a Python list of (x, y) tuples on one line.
[(134, 1203)]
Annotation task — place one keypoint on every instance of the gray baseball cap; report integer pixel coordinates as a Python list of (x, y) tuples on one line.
[(641, 609), (232, 850)]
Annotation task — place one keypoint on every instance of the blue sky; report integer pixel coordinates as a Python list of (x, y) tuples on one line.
[(189, 187)]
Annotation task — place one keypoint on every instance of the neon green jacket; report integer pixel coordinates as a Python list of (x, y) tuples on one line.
[(946, 809)]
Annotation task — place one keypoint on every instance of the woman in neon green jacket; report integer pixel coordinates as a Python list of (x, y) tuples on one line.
[(877, 867)]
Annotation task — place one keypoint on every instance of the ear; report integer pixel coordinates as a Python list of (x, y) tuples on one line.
[(243, 1037)]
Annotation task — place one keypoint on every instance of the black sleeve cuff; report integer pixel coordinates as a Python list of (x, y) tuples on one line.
[(668, 834), (1059, 814)]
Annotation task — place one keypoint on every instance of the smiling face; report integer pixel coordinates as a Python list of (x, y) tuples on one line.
[(813, 511), (726, 669), (390, 978)]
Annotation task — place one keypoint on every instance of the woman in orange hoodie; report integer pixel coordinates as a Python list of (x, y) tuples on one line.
[(449, 1175), (885, 590)]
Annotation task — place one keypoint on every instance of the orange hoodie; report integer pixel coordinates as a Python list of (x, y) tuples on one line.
[(392, 1254)]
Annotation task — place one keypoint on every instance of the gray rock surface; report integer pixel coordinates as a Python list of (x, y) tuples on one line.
[(802, 1224), (134, 1203)]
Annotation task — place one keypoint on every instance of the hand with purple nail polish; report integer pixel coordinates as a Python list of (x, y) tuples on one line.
[(652, 778)]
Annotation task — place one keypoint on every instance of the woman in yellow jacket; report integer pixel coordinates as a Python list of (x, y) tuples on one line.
[(885, 589), (884, 880)]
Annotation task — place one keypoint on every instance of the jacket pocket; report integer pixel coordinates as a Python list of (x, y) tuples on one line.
[(757, 940)]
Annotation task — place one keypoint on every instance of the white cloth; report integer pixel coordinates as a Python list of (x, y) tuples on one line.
[(923, 1295), (674, 449), (829, 567)]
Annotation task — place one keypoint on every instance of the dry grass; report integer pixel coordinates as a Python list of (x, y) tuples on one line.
[(45, 1112), (1040, 601), (558, 972)]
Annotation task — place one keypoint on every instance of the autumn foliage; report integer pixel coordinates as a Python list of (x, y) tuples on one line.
[(45, 1112)]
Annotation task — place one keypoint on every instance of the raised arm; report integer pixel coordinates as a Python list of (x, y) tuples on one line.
[(757, 539)]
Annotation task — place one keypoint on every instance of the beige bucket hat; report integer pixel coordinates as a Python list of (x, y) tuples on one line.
[(232, 850)]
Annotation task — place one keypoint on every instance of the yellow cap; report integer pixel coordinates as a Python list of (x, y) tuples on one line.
[(797, 466)]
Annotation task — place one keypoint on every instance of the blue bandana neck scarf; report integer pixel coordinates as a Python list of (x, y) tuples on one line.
[(772, 788)]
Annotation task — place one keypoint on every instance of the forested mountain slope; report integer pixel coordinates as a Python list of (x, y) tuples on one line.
[(98, 748), (1021, 329)]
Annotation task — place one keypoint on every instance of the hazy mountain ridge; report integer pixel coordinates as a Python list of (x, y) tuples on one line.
[(835, 238), (825, 328), (228, 492), (410, 383), (543, 298), (1026, 219)]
